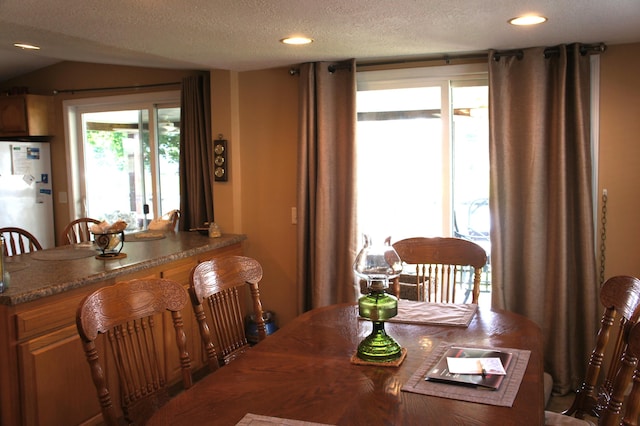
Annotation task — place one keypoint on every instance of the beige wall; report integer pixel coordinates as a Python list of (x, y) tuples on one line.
[(619, 157), (257, 113), (268, 137), (79, 76)]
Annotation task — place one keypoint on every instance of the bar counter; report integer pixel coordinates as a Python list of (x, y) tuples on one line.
[(44, 375), (31, 277)]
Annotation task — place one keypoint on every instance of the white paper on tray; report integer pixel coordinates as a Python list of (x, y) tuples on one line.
[(475, 366)]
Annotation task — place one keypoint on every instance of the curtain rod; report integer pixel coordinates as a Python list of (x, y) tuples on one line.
[(585, 49), (103, 89), (446, 58), (519, 53)]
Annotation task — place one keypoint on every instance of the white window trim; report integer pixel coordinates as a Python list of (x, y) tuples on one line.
[(73, 130), (429, 76), (410, 77)]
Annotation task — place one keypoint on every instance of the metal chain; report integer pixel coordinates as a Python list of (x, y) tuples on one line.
[(603, 235)]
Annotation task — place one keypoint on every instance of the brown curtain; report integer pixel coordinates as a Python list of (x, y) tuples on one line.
[(326, 204), (196, 195), (542, 234)]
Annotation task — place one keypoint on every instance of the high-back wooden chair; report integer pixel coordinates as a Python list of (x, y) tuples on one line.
[(219, 284), (630, 405), (440, 265), (126, 313), (77, 231), (620, 297), (18, 241)]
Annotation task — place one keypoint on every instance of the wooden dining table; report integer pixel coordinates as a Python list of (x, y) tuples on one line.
[(303, 372)]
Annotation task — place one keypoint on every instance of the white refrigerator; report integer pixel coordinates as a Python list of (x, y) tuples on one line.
[(26, 196)]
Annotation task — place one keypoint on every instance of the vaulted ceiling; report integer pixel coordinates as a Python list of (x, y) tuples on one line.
[(244, 35)]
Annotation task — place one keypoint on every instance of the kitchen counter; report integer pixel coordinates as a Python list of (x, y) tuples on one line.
[(40, 349), (49, 272)]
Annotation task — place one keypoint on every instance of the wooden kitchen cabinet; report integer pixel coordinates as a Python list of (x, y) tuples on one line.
[(25, 115), (47, 378), (47, 362)]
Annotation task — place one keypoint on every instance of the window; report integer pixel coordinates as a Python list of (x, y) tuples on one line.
[(125, 156), (423, 153)]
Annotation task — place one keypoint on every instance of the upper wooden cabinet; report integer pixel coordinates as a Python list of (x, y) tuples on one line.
[(25, 115)]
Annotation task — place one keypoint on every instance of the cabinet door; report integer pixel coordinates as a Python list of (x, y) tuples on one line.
[(13, 115), (25, 115), (57, 386)]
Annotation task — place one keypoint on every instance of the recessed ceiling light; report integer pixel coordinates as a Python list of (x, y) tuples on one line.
[(26, 46), (296, 40), (528, 20)]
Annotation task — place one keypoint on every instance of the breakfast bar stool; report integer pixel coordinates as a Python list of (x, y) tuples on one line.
[(77, 231), (18, 241)]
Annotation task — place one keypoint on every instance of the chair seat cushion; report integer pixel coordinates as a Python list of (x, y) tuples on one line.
[(551, 419)]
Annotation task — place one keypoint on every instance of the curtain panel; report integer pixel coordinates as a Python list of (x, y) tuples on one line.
[(542, 233), (326, 173), (196, 173)]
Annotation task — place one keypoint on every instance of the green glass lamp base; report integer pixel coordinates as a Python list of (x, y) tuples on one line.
[(379, 346)]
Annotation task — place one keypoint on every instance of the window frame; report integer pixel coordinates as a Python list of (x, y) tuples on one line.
[(72, 111), (430, 76)]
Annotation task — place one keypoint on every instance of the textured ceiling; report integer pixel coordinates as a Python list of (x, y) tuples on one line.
[(243, 35)]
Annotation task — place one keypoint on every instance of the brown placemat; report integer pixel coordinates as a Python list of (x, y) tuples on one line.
[(66, 253), (454, 314), (503, 396), (258, 420), (395, 363), (14, 266)]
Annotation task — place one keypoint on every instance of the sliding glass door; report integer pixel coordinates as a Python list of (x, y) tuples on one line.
[(127, 164)]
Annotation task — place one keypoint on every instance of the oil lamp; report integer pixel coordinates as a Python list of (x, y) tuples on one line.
[(377, 264)]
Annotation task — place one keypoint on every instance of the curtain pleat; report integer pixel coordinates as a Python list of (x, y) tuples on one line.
[(326, 173), (542, 233), (196, 193)]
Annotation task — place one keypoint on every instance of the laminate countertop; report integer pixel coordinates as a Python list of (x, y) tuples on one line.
[(48, 272)]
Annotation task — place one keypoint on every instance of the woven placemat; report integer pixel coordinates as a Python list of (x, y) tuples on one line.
[(258, 420), (145, 236), (453, 314), (15, 266), (503, 396), (395, 363), (63, 254)]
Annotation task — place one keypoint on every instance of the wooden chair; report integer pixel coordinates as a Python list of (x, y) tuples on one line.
[(78, 231), (602, 397), (440, 265), (611, 415), (127, 314), (18, 241), (219, 283)]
